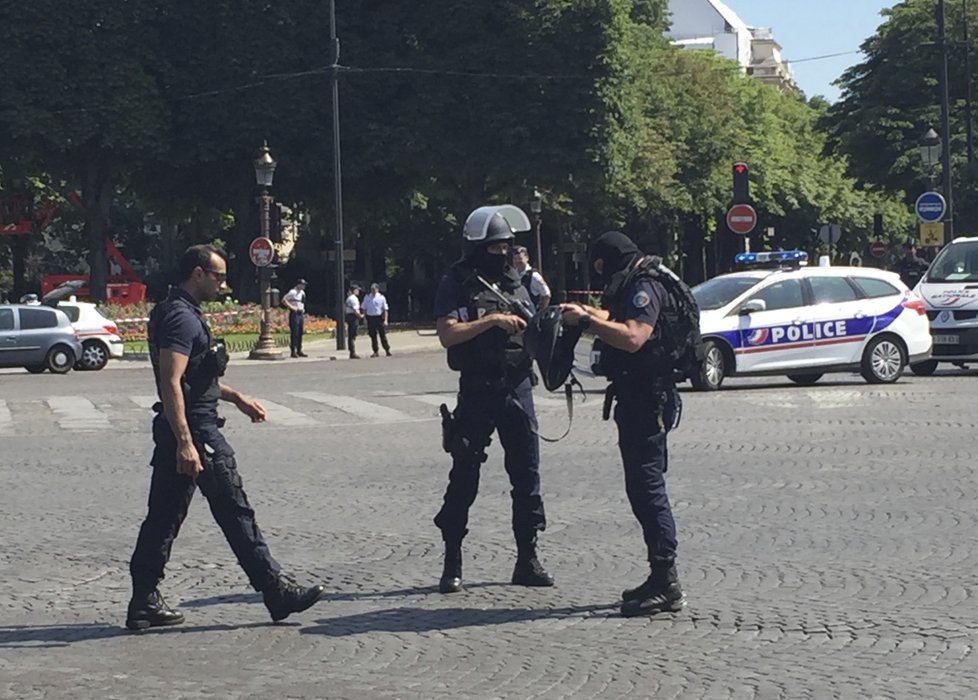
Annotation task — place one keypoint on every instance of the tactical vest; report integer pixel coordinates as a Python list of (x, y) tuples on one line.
[(493, 352), (527, 281), (201, 390), (653, 358)]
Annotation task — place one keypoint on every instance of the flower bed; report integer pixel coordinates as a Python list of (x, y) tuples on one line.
[(225, 318)]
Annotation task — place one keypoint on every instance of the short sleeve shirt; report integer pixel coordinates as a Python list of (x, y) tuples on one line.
[(297, 297), (643, 302), (451, 300), (182, 328), (352, 304), (538, 287), (375, 304)]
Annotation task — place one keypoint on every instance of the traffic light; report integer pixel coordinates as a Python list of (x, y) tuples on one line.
[(741, 188)]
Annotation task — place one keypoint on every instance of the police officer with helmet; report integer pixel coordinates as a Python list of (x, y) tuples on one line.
[(482, 329), (646, 404), (190, 451)]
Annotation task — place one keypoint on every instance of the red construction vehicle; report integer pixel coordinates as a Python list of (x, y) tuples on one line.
[(123, 285)]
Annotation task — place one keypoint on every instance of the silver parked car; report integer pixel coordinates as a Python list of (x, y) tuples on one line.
[(37, 338)]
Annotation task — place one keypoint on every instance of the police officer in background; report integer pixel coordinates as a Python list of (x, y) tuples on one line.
[(646, 403), (484, 339), (354, 314), (190, 451), (911, 268), (295, 301), (531, 279)]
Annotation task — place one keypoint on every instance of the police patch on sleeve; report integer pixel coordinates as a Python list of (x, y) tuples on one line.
[(641, 299)]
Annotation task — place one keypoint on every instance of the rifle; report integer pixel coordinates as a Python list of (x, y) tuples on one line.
[(514, 306)]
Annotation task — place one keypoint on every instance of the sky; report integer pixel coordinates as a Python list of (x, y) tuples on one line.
[(811, 28)]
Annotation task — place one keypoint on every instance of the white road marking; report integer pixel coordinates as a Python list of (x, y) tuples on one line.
[(356, 407), (144, 401), (283, 415), (6, 420), (76, 413)]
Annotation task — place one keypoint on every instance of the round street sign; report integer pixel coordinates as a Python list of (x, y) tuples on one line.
[(261, 251), (877, 248), (930, 207), (741, 219)]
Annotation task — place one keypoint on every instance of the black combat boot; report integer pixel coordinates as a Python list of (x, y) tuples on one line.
[(451, 575), (529, 571), (285, 597), (148, 609), (661, 592)]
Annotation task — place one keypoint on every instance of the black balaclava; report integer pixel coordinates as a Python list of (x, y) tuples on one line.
[(618, 252), (491, 265)]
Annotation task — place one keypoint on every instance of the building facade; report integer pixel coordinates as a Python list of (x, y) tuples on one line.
[(710, 24)]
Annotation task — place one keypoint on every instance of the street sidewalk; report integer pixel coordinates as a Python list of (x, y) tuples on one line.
[(322, 346)]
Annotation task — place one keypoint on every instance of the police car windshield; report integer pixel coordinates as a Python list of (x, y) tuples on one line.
[(720, 291), (956, 263)]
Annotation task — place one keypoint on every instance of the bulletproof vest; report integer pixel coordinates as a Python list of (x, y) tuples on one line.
[(527, 281), (492, 352), (201, 390), (653, 359)]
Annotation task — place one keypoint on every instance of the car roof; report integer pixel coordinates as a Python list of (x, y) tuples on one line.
[(813, 271)]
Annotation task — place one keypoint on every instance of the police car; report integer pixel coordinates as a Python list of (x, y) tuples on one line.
[(801, 321), (950, 292)]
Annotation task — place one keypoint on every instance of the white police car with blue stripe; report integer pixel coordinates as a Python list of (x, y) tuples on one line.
[(804, 322)]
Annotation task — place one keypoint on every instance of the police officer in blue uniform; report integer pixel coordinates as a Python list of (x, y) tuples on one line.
[(911, 268), (190, 451), (484, 339), (646, 404)]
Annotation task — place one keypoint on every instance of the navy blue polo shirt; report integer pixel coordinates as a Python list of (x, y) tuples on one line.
[(642, 302), (182, 329)]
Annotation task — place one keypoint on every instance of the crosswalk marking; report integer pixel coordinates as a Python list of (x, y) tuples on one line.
[(356, 407), (144, 401), (76, 413), (6, 420), (283, 415)]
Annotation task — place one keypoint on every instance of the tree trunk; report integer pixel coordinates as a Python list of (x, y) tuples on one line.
[(97, 201)]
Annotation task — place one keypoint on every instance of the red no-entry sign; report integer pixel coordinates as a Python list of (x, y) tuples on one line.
[(741, 219), (261, 251), (877, 248)]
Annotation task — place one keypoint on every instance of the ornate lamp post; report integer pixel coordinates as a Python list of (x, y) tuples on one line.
[(264, 174), (929, 147), (536, 208)]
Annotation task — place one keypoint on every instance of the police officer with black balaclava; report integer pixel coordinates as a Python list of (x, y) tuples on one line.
[(191, 452), (646, 400), (484, 336)]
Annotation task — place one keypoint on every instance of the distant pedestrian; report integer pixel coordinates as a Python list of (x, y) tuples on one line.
[(295, 300), (532, 280), (353, 317), (376, 309)]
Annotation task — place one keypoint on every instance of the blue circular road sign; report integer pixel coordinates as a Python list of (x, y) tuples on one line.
[(930, 207)]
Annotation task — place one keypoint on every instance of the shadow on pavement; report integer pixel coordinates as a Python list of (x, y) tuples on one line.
[(221, 600), (425, 620), (54, 636)]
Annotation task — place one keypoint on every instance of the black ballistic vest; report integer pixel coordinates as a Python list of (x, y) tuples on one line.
[(653, 358), (493, 352), (201, 390)]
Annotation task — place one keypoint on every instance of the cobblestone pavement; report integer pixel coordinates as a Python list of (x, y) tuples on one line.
[(827, 542)]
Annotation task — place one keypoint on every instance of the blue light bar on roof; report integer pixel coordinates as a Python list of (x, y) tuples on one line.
[(774, 256)]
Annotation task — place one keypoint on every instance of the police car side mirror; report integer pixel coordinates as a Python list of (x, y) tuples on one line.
[(753, 306)]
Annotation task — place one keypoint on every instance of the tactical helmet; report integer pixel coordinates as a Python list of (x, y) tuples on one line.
[(552, 343), (493, 223)]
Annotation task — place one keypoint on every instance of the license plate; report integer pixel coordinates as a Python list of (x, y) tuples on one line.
[(946, 339)]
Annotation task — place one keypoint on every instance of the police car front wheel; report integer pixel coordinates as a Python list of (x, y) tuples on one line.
[(711, 373), (883, 360)]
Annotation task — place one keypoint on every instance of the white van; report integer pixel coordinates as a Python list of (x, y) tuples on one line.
[(950, 292)]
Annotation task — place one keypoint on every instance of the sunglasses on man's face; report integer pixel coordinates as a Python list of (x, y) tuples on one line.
[(218, 275)]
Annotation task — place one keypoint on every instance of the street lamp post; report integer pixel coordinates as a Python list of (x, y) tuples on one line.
[(264, 173), (929, 147), (536, 210)]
